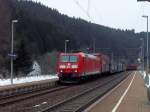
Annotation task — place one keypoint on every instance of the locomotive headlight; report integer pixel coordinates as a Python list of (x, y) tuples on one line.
[(74, 66), (62, 66), (75, 71)]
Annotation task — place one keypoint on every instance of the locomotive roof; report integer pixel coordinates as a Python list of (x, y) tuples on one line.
[(82, 54)]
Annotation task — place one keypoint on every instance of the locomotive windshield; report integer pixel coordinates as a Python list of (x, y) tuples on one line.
[(64, 58), (68, 58), (73, 58)]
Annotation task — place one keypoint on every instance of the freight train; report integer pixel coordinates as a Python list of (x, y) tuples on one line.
[(77, 66), (131, 67)]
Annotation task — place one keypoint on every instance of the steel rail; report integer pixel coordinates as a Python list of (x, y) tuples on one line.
[(73, 98), (20, 97)]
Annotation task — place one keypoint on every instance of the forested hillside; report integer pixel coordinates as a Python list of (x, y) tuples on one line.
[(5, 16), (41, 29)]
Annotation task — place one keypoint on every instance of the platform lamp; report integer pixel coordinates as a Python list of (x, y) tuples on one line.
[(147, 79), (147, 53), (12, 48)]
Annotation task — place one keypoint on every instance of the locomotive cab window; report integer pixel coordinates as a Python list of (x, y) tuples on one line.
[(68, 58), (73, 58), (64, 58)]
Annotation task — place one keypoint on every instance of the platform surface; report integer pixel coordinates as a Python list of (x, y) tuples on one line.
[(129, 96)]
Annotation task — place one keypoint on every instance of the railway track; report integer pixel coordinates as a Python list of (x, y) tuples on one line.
[(68, 98), (78, 102), (16, 98)]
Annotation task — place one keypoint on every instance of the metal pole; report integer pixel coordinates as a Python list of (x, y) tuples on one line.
[(141, 57), (147, 63), (147, 49), (12, 47), (93, 45), (112, 62), (142, 54), (66, 45), (147, 53)]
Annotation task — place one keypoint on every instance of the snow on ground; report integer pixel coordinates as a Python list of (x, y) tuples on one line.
[(34, 75), (4, 82), (143, 73), (36, 69)]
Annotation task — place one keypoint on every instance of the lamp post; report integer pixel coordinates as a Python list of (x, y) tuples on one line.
[(147, 80), (12, 48), (147, 77), (147, 53), (66, 41)]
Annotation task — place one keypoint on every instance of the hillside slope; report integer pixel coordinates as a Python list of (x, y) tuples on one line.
[(41, 29)]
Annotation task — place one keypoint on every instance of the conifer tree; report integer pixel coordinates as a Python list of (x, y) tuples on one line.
[(23, 62)]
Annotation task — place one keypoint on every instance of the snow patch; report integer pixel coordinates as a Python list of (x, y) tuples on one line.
[(4, 82), (143, 73), (36, 69)]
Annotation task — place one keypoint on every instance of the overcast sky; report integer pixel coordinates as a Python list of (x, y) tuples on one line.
[(123, 14)]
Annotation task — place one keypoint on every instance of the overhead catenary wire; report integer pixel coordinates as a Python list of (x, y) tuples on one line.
[(88, 8), (98, 13), (83, 9), (138, 19)]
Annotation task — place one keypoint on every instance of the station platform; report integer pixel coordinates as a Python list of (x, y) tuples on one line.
[(129, 96), (9, 90)]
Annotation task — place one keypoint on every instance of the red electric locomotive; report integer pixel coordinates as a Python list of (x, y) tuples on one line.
[(75, 66)]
